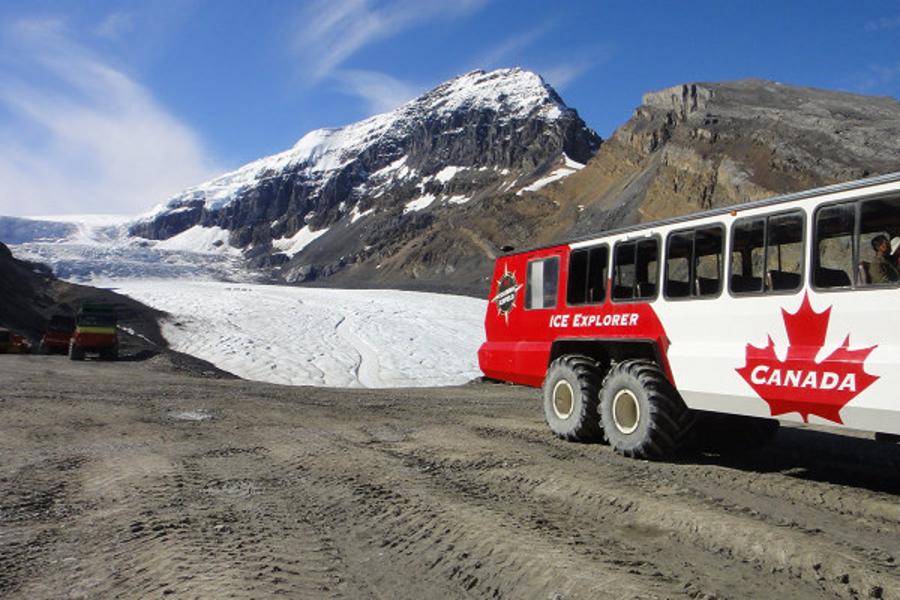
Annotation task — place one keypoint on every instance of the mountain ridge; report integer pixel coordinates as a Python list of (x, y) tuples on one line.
[(430, 210)]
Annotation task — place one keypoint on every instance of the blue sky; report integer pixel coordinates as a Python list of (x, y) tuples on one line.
[(109, 107)]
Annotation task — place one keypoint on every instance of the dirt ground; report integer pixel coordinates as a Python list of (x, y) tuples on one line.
[(130, 480)]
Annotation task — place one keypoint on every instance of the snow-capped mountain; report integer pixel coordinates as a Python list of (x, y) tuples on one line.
[(364, 203)]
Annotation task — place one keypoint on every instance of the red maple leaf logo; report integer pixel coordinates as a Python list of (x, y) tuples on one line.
[(799, 383)]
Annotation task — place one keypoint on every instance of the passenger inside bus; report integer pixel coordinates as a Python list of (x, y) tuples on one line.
[(883, 268)]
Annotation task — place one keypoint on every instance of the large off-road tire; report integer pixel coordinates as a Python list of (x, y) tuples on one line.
[(75, 352), (571, 398), (641, 413), (733, 434)]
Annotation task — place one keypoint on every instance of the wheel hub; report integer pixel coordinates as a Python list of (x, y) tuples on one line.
[(563, 399), (626, 411)]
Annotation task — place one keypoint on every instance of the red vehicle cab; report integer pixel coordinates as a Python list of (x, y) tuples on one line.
[(58, 335), (784, 309), (12, 343), (95, 333)]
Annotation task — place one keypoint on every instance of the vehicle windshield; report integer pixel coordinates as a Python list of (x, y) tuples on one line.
[(60, 323), (97, 319)]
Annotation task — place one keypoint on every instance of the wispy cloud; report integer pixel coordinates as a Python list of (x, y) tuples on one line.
[(332, 31), (875, 77), (115, 25), (883, 23), (563, 73), (558, 72), (511, 48), (380, 91), (80, 135)]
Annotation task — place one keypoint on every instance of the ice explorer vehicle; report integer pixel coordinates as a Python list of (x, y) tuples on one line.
[(786, 308)]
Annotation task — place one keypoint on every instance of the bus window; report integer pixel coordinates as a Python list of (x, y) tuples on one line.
[(678, 265), (588, 270), (694, 263), (748, 238), (541, 284), (708, 249), (767, 254), (636, 270), (623, 271), (878, 250), (647, 273), (784, 252), (833, 257)]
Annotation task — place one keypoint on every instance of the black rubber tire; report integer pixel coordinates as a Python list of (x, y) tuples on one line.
[(75, 352), (733, 434), (582, 375), (662, 422)]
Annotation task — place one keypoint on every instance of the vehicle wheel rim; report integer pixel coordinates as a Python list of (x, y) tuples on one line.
[(626, 411), (563, 399)]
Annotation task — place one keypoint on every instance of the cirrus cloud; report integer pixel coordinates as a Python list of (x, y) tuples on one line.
[(79, 135)]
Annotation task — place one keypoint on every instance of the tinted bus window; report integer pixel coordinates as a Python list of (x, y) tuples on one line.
[(879, 242), (542, 282), (636, 270), (767, 254), (747, 240), (784, 252), (678, 265), (694, 263), (587, 276), (833, 257)]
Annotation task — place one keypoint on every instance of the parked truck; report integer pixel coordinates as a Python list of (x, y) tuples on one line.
[(95, 333), (58, 336)]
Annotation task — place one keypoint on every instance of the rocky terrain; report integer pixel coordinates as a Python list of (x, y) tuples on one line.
[(408, 196), (127, 480), (705, 145)]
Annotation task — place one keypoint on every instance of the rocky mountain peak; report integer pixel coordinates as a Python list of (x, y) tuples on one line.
[(681, 100), (704, 145), (356, 193)]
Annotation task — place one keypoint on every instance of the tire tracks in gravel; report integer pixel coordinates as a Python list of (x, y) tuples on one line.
[(845, 559), (378, 494)]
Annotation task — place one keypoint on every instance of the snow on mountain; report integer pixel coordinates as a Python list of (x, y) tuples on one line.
[(325, 151), (569, 166), (89, 247), (321, 337)]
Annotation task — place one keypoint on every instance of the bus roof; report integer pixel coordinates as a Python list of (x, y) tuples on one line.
[(830, 189)]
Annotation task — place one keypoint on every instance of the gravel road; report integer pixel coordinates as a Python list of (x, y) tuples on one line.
[(130, 480)]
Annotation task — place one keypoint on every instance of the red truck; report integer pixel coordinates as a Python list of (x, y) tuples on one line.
[(95, 333), (58, 335)]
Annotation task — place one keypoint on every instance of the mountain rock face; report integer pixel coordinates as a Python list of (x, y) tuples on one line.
[(410, 197), (705, 145), (424, 197)]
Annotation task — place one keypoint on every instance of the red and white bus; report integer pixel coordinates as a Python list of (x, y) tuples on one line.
[(785, 308)]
